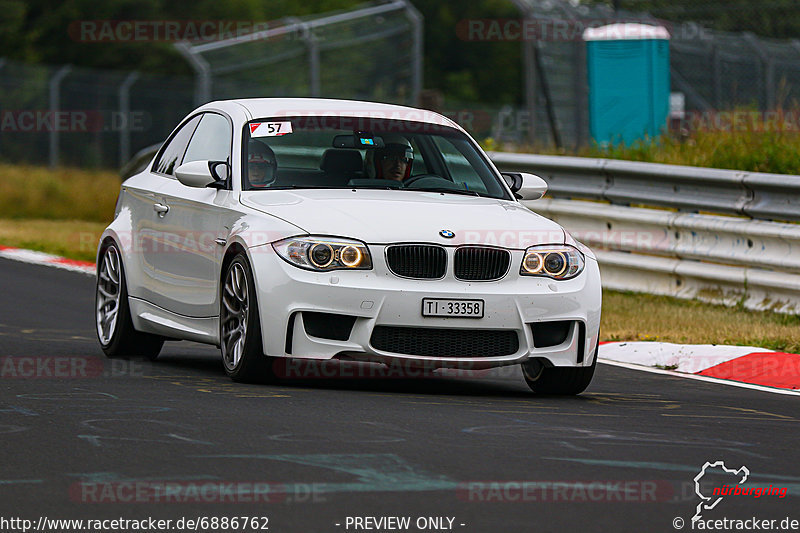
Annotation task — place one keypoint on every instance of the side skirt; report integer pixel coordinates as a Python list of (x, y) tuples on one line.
[(153, 319)]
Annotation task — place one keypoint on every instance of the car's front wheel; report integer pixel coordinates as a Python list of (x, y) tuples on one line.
[(240, 327), (114, 328), (558, 380)]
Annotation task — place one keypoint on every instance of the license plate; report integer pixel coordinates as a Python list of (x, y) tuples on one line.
[(453, 308)]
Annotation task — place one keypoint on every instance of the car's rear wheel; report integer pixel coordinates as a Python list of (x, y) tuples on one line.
[(558, 380), (115, 330), (240, 327)]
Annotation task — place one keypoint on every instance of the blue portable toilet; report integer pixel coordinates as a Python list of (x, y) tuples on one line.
[(628, 75)]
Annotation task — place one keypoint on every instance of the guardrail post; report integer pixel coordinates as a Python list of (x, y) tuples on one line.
[(528, 64), (54, 90), (716, 73), (202, 92), (581, 94), (530, 88), (313, 60), (418, 22), (548, 100), (2, 64), (766, 71), (124, 96)]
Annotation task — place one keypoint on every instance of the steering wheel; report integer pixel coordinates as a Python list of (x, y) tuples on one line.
[(411, 180)]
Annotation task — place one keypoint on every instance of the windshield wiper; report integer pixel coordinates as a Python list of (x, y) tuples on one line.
[(444, 190)]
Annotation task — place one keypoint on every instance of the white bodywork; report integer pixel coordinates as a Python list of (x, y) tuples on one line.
[(173, 258)]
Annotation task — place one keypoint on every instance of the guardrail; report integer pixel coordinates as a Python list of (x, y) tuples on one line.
[(719, 259), (680, 251), (752, 194)]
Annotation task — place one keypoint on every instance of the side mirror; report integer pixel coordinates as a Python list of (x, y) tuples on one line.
[(202, 174), (525, 186)]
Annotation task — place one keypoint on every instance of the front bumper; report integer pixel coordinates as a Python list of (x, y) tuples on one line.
[(379, 298)]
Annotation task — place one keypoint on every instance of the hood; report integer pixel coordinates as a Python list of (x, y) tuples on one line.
[(390, 216)]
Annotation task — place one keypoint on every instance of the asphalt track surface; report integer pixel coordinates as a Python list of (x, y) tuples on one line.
[(329, 449)]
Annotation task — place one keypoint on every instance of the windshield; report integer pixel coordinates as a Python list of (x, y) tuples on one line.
[(346, 152)]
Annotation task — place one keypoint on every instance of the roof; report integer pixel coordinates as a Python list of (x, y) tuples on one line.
[(286, 107), (624, 32)]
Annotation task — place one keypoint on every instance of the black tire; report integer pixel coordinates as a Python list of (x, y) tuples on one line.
[(250, 365), (119, 339), (566, 381)]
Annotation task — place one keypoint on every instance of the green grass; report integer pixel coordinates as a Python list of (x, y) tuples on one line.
[(29, 192), (76, 239), (776, 152), (627, 316), (754, 144)]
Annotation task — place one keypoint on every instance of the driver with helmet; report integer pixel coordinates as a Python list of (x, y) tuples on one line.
[(392, 161), (261, 164)]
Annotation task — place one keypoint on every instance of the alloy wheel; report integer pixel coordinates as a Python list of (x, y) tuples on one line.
[(108, 292), (234, 315)]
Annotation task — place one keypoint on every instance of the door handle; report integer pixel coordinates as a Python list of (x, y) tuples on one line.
[(161, 209)]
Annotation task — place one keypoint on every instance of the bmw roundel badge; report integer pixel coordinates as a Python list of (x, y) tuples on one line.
[(447, 234)]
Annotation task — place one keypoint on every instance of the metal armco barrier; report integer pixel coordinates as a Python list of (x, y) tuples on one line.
[(752, 194), (718, 259), (688, 253)]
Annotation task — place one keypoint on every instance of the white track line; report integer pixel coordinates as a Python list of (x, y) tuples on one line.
[(696, 377), (40, 258)]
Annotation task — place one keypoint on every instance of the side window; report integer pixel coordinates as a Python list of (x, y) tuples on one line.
[(211, 140), (173, 153)]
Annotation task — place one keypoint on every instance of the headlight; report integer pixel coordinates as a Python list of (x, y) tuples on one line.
[(553, 261), (324, 253)]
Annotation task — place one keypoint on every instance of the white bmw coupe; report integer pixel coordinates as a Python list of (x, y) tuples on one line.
[(331, 229)]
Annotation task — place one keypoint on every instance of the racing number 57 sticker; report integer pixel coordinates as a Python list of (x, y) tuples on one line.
[(270, 129)]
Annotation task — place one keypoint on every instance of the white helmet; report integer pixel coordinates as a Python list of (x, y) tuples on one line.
[(261, 164), (393, 145)]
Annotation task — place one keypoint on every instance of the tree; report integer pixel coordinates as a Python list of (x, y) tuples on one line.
[(767, 18), (470, 71), (50, 31)]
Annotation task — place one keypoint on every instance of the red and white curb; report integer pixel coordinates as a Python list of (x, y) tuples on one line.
[(736, 365), (41, 258), (749, 365)]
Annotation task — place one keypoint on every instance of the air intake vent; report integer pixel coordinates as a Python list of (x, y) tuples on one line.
[(546, 334), (477, 263), (328, 325), (435, 342), (421, 261)]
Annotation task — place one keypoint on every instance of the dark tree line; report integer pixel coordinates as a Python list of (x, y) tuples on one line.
[(767, 18), (43, 31)]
